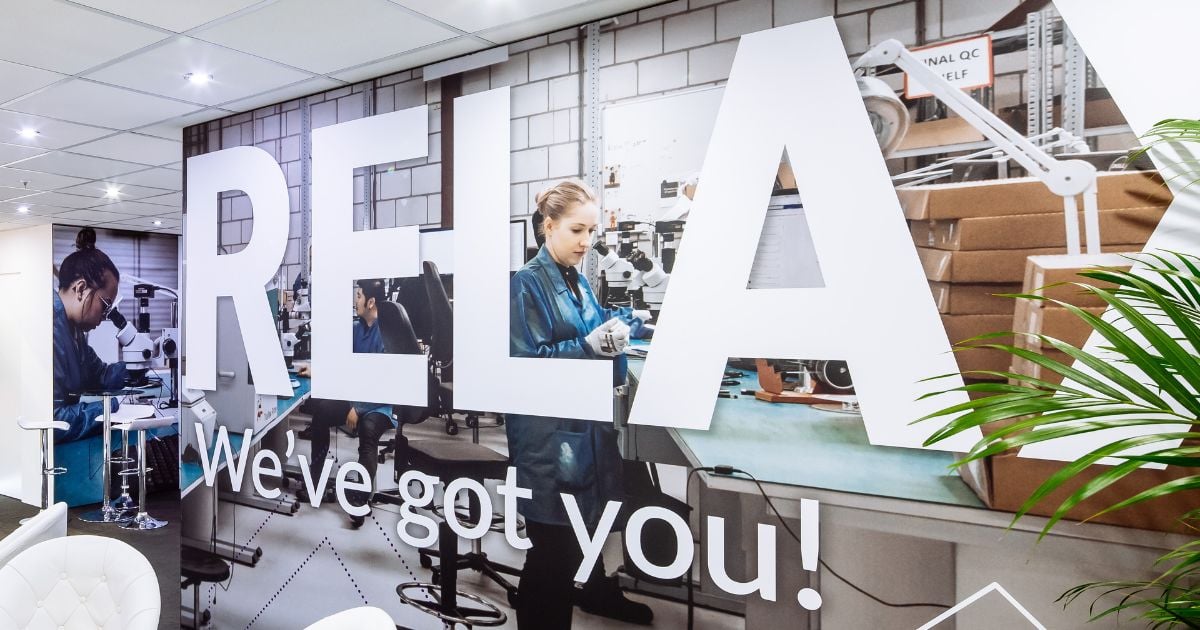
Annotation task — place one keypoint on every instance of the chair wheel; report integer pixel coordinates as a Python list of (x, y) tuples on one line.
[(500, 420), (472, 422), (451, 429), (514, 596), (435, 576), (426, 562)]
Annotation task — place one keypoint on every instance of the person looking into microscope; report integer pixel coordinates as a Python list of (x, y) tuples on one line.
[(86, 295)]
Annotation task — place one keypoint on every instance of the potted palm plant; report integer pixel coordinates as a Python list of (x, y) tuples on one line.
[(1145, 373)]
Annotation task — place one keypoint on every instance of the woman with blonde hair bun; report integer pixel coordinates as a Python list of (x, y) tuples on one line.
[(555, 315)]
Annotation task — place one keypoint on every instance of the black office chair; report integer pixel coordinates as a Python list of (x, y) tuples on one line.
[(399, 337), (410, 293), (447, 459), (442, 352)]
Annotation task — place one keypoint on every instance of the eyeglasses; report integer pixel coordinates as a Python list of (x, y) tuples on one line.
[(108, 306)]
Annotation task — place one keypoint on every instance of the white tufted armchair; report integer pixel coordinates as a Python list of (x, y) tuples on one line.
[(79, 582), (361, 618)]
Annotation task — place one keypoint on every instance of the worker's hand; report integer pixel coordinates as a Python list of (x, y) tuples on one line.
[(304, 371), (642, 315), (609, 339), (352, 419)]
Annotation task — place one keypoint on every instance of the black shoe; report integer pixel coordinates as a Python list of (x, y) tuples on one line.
[(302, 494), (603, 597), (358, 498), (305, 433)]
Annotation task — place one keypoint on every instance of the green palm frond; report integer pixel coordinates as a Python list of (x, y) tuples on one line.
[(1143, 374)]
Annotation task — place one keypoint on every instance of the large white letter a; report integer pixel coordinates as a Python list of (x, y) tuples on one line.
[(793, 88)]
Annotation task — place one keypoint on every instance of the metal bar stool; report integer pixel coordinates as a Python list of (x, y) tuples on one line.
[(142, 520), (44, 427), (106, 513)]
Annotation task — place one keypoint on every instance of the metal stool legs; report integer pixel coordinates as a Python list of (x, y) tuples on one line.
[(48, 471), (142, 520), (106, 513), (125, 502)]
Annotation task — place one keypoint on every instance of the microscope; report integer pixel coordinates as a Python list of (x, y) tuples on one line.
[(634, 271), (138, 350)]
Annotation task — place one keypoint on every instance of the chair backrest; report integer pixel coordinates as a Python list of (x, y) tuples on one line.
[(361, 618), (442, 340), (412, 296), (80, 582), (399, 338), (45, 525)]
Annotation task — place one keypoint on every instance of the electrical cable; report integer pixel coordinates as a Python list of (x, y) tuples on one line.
[(730, 471)]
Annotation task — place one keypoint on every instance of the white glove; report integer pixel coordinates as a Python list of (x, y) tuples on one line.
[(642, 315), (609, 339)]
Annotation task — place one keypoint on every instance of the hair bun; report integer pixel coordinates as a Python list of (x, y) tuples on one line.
[(86, 239), (540, 196)]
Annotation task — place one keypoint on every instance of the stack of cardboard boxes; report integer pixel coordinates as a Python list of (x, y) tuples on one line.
[(981, 238), (974, 238)]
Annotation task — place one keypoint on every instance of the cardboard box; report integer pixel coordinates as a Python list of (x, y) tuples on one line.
[(972, 299), (939, 133), (1010, 480), (1043, 271), (1133, 189), (1123, 225), (1052, 321), (960, 327), (1001, 265)]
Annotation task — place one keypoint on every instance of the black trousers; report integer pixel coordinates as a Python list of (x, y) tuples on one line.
[(332, 413), (547, 586)]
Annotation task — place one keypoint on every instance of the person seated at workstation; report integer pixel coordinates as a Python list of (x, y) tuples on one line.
[(370, 420), (87, 293)]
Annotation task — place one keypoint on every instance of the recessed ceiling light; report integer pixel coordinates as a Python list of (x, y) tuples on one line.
[(158, 222), (23, 209), (29, 133), (198, 78), (112, 192)]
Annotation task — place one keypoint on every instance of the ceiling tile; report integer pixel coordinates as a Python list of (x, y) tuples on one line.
[(13, 152), (62, 200), (97, 216), (147, 223), (135, 208), (558, 20), (174, 15), (133, 147), (16, 178), (106, 106), (15, 193), (161, 70), (175, 200), (52, 134), (155, 177), (173, 129), (436, 52), (472, 15), (19, 80), (126, 191), (303, 88), (9, 209), (19, 224), (66, 38), (86, 166), (322, 36)]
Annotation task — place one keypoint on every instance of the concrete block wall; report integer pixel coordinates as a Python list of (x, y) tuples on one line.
[(675, 46)]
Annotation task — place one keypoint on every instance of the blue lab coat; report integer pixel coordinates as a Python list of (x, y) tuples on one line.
[(562, 455), (78, 369), (367, 339)]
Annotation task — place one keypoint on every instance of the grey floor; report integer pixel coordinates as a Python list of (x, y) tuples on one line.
[(314, 563), (160, 546)]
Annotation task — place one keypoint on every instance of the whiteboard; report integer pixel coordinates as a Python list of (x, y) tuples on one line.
[(665, 138), (648, 141)]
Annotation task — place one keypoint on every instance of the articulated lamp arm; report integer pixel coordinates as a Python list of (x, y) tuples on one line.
[(1066, 178)]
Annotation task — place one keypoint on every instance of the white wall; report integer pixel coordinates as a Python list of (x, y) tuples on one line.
[(26, 343)]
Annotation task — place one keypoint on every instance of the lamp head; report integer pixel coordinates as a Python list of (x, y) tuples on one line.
[(889, 116)]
